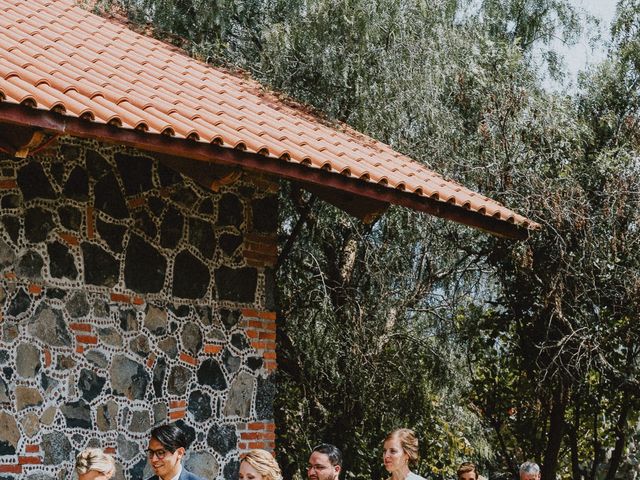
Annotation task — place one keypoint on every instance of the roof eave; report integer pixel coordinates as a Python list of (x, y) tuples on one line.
[(62, 125)]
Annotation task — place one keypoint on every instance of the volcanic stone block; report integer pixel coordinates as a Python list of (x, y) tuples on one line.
[(12, 226), (27, 360), (169, 346), (30, 265), (56, 448), (10, 200), (57, 172), (178, 381), (96, 164), (240, 395), (128, 320), (171, 228), (48, 326), (7, 255), (231, 469), (156, 205), (100, 267), (206, 207), (110, 336), (77, 185), (230, 361), (61, 261), (27, 397), (159, 372), (97, 358), (265, 214), (200, 406), (191, 277), (19, 304), (230, 211), (140, 421), (135, 173), (33, 182), (108, 197), (191, 338), (30, 424), (48, 384), (9, 434), (4, 392), (239, 341), (145, 267), (77, 305), (185, 196), (107, 416), (201, 236), (202, 464), (128, 378), (128, 449), (210, 373), (38, 222), (155, 320), (145, 223), (112, 234), (77, 414), (159, 413), (230, 318), (167, 175), (49, 415), (236, 284), (90, 384), (229, 243), (254, 363), (140, 345), (265, 396), (70, 217)]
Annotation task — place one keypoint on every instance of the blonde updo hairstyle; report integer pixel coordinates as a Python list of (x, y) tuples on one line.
[(94, 459), (264, 464), (408, 442)]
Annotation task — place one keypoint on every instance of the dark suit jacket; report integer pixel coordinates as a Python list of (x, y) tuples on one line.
[(184, 475)]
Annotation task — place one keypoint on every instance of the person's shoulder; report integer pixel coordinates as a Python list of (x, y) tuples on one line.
[(187, 475), (414, 476)]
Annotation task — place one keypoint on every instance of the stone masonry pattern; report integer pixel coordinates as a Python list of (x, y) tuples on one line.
[(131, 297)]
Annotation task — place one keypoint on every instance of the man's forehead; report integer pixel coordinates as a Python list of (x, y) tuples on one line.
[(317, 457)]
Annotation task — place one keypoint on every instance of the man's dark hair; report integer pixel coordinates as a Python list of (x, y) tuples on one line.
[(331, 451), (171, 436)]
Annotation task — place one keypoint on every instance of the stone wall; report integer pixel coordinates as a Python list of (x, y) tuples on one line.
[(132, 297)]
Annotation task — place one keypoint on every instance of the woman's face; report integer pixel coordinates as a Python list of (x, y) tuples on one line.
[(393, 455), (247, 472), (95, 475)]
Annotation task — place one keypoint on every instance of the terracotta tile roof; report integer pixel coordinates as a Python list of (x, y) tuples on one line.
[(56, 56)]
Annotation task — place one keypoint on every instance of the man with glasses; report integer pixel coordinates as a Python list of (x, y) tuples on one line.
[(325, 463), (167, 446)]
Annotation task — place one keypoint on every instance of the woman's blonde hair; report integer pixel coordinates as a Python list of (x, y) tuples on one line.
[(94, 459), (264, 464), (408, 442)]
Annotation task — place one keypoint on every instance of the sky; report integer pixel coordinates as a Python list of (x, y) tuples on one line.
[(579, 56)]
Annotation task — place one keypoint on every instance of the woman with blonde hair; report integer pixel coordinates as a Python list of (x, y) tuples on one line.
[(94, 464), (399, 451), (259, 465)]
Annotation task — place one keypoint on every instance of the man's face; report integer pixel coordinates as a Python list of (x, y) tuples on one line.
[(320, 467), (529, 476), (467, 476), (164, 463)]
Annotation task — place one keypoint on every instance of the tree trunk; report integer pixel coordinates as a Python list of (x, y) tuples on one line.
[(556, 432), (573, 439), (621, 436)]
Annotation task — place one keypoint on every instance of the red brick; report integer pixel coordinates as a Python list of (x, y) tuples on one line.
[(10, 275), (110, 450), (254, 323), (269, 436), (270, 366), (242, 446), (136, 202), (120, 297), (257, 445), (177, 414), (31, 448), (258, 345), (8, 184), (177, 404), (256, 426), (269, 355), (35, 289), (88, 339), (79, 349), (185, 357), (10, 468), (211, 349), (250, 435), (47, 357), (80, 327), (151, 360), (137, 301), (253, 334), (69, 238), (270, 427), (29, 460), (267, 335)]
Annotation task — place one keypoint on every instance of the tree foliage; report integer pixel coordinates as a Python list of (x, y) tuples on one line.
[(494, 351)]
